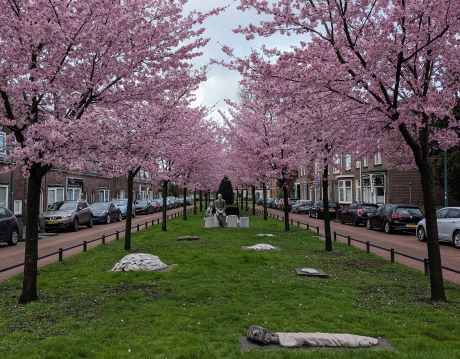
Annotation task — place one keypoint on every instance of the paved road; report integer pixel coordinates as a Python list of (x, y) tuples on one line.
[(12, 255), (404, 243)]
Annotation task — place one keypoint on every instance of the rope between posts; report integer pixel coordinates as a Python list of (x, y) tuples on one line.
[(84, 244), (368, 244)]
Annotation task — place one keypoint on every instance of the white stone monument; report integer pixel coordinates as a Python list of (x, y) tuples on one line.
[(244, 222), (232, 221)]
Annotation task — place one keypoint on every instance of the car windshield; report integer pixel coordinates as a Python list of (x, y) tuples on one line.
[(410, 211), (333, 204), (99, 205), (63, 206), (142, 203), (121, 202)]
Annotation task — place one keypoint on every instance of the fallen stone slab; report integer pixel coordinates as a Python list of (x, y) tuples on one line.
[(265, 235), (311, 272), (247, 344), (261, 247), (139, 262), (188, 238)]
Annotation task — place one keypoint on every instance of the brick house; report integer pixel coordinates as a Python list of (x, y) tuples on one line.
[(58, 185), (368, 179)]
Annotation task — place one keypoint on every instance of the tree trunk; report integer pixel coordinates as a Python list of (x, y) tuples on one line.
[(206, 199), (185, 204), (164, 186), (264, 193), (129, 211), (286, 208), (247, 199), (237, 198), (29, 284), (253, 189), (421, 155), (194, 202), (201, 200), (242, 200), (327, 220)]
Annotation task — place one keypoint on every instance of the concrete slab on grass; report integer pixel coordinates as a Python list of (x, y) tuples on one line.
[(319, 273), (246, 344), (188, 238)]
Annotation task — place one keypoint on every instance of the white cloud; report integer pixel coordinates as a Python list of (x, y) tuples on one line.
[(222, 83)]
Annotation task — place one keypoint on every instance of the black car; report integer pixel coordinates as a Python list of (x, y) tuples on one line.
[(317, 211), (302, 206), (395, 217), (143, 207), (9, 227), (357, 213), (105, 212)]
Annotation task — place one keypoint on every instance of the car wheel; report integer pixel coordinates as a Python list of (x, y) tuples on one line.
[(387, 227), (120, 217), (457, 239), (108, 219), (75, 225), (90, 222), (342, 220), (368, 224), (14, 237), (421, 235)]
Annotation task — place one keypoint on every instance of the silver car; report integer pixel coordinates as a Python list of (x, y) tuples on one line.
[(448, 226), (66, 215)]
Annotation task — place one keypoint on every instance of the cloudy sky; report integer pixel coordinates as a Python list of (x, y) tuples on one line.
[(223, 83)]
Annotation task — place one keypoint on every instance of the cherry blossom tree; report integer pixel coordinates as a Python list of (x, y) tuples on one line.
[(399, 59), (59, 60)]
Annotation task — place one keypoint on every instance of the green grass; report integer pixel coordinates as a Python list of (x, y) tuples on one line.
[(217, 290)]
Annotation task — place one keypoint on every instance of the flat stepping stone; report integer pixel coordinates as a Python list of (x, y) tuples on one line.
[(247, 344), (311, 272), (261, 247), (265, 235), (188, 238)]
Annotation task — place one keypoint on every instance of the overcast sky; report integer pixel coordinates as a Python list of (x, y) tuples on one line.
[(223, 83)]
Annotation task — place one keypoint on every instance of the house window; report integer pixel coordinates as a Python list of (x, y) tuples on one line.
[(121, 194), (18, 207), (2, 143), (337, 164), (378, 159), (348, 162), (55, 194), (365, 162), (358, 164), (345, 191), (104, 194), (73, 194), (358, 190), (3, 196)]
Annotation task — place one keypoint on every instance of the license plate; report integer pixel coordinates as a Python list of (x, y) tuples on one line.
[(53, 222), (331, 210), (411, 225)]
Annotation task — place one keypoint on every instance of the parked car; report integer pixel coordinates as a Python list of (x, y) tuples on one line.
[(143, 206), (395, 217), (105, 212), (271, 202), (302, 206), (156, 206), (448, 219), (66, 215), (357, 213), (122, 205), (317, 210), (9, 227)]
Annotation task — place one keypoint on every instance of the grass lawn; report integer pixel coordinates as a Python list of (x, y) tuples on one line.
[(202, 307)]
